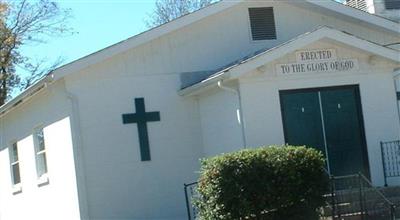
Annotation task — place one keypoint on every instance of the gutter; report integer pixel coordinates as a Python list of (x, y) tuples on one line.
[(27, 93)]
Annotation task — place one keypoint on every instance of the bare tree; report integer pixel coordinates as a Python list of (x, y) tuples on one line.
[(168, 10), (37, 69), (23, 22)]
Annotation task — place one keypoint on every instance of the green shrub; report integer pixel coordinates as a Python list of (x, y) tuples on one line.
[(278, 182)]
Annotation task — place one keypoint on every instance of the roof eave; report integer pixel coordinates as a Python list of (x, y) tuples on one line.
[(29, 92)]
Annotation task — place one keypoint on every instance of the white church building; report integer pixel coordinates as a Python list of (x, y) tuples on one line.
[(116, 134)]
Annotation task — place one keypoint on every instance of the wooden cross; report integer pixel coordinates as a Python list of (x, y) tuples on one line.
[(141, 117)]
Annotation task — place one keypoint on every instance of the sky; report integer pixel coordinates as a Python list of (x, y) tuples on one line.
[(96, 25)]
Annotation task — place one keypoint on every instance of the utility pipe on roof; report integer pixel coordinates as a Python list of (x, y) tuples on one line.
[(239, 111)]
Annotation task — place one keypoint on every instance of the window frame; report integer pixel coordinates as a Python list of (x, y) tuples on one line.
[(16, 186), (42, 179)]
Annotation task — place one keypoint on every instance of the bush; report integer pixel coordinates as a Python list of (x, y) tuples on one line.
[(278, 182)]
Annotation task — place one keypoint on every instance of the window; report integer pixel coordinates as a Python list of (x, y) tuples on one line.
[(262, 23), (15, 172), (40, 153), (392, 4)]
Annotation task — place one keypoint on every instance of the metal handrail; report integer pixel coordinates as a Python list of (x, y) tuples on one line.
[(376, 190), (188, 203), (389, 203), (351, 185), (360, 185)]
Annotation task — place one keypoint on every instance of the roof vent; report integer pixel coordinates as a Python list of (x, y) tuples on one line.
[(359, 4), (262, 23)]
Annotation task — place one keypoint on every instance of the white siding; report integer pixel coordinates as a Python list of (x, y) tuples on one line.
[(119, 184), (220, 123), (59, 198)]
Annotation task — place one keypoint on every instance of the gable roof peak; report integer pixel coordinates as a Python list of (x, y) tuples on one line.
[(259, 59)]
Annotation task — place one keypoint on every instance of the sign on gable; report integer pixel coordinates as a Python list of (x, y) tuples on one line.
[(317, 61), (315, 55)]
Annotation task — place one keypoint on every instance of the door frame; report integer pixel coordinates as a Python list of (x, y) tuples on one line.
[(358, 103)]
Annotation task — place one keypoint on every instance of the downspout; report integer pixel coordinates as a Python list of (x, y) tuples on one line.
[(78, 154), (239, 111)]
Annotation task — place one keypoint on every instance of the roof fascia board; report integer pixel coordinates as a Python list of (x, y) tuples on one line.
[(142, 38), (368, 46), (26, 94), (277, 52), (358, 14)]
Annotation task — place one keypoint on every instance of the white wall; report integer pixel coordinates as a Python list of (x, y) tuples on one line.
[(220, 121), (58, 199), (118, 184), (260, 92)]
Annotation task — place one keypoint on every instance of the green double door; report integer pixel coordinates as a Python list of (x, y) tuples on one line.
[(330, 120)]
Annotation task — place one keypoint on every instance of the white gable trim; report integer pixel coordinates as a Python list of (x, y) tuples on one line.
[(289, 47)]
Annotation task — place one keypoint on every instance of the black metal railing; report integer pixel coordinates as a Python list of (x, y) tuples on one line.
[(350, 197), (354, 197), (191, 195), (390, 151)]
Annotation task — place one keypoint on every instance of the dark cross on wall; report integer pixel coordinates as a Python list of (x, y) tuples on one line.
[(141, 117)]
